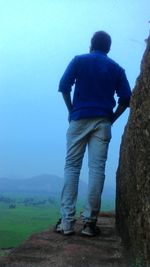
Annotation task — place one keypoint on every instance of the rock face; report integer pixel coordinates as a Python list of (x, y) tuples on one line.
[(133, 174)]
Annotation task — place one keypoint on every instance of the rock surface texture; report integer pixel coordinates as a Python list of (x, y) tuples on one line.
[(133, 175), (49, 249)]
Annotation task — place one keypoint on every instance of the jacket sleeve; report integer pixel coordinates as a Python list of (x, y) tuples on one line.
[(123, 89), (68, 78)]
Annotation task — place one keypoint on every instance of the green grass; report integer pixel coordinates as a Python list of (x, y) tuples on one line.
[(16, 225)]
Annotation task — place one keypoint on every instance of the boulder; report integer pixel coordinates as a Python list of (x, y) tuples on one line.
[(133, 174)]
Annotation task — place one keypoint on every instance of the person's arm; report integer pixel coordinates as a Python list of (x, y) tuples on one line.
[(66, 82), (68, 78), (67, 100), (118, 112), (124, 93)]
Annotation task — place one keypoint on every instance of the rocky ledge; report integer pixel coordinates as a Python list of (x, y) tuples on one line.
[(49, 249)]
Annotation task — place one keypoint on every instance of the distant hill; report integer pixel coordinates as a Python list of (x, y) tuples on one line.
[(49, 184)]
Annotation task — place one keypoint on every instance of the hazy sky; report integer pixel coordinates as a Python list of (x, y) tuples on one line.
[(38, 38)]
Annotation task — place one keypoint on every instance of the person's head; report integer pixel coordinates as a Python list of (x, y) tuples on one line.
[(101, 41)]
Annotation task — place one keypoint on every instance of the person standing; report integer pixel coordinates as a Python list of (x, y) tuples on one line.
[(97, 79)]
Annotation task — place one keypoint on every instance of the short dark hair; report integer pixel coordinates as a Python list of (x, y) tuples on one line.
[(101, 41)]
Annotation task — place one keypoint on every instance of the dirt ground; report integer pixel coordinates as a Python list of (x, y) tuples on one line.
[(49, 249)]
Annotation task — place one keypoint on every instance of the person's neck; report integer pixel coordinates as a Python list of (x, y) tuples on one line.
[(98, 51)]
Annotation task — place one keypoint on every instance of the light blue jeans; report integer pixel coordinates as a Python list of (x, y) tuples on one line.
[(96, 134)]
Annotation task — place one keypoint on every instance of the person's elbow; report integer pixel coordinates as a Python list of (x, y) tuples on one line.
[(124, 101), (64, 86)]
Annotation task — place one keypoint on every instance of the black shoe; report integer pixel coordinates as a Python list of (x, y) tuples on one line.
[(90, 229), (59, 229)]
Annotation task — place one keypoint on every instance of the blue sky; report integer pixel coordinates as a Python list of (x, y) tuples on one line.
[(37, 40)]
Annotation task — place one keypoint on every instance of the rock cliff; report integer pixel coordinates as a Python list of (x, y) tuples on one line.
[(133, 174)]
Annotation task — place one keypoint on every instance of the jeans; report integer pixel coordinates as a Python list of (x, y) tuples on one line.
[(96, 134)]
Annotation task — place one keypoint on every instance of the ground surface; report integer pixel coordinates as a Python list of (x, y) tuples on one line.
[(54, 250)]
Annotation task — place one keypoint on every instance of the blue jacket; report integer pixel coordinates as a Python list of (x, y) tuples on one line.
[(97, 78)]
